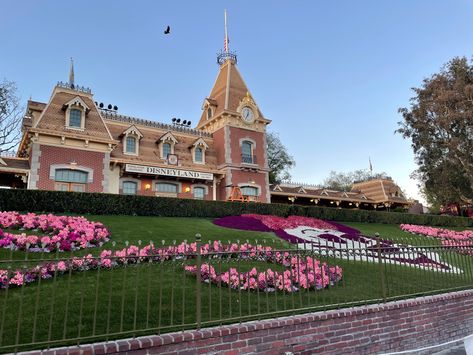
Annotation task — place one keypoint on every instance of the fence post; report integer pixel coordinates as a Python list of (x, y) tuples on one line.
[(381, 267), (198, 239)]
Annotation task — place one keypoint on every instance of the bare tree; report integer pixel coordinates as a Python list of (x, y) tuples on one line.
[(10, 116)]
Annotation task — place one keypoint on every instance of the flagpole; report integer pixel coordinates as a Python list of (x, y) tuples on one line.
[(226, 33)]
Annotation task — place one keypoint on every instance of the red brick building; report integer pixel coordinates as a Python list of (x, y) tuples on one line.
[(73, 143)]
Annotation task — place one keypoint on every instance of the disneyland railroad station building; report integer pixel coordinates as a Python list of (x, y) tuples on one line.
[(73, 143)]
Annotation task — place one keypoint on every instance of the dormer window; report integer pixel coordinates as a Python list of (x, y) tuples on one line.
[(198, 149), (166, 150), (166, 144), (75, 118), (209, 113), (76, 111), (198, 155), (131, 140), (131, 145)]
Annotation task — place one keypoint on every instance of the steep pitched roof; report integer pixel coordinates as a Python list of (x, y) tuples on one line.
[(228, 90), (53, 116)]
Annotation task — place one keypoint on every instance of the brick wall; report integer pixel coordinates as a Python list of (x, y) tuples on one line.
[(394, 326), (59, 155)]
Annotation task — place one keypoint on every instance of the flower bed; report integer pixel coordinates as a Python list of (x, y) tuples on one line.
[(303, 271), (63, 233), (337, 240), (462, 240)]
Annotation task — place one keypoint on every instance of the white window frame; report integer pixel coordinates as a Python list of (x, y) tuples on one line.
[(78, 104), (205, 187), (199, 143), (253, 149), (125, 148), (134, 132), (167, 138), (130, 179), (167, 194)]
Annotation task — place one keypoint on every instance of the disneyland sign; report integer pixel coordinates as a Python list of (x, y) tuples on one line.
[(152, 170)]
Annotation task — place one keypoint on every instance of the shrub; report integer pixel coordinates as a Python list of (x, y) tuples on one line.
[(99, 203)]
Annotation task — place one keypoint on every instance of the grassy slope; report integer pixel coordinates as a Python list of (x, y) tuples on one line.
[(151, 296)]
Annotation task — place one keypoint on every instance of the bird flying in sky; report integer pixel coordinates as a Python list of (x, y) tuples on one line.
[(167, 30)]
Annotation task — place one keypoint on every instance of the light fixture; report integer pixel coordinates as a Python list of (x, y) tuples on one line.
[(187, 189), (147, 186), (350, 204), (251, 181), (331, 202)]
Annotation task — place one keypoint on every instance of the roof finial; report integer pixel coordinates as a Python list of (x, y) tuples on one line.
[(71, 75), (225, 55)]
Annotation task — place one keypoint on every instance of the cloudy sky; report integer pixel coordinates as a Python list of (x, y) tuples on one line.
[(330, 74)]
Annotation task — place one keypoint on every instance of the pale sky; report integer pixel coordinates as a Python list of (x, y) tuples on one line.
[(330, 75)]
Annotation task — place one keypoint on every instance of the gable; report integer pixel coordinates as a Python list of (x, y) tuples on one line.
[(53, 117)]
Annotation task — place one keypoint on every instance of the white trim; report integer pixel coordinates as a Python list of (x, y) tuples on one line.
[(227, 87), (82, 117), (247, 184), (301, 190), (77, 101), (137, 144), (252, 141), (155, 182), (129, 179), (133, 130), (205, 187), (54, 167), (2, 161), (161, 153), (168, 136)]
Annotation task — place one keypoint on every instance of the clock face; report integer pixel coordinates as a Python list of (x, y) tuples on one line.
[(172, 159), (247, 114)]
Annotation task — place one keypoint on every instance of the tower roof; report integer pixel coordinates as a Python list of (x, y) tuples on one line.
[(227, 93)]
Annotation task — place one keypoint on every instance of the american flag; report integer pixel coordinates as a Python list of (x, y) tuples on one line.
[(226, 41)]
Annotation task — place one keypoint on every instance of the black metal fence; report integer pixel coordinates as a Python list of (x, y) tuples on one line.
[(56, 299)]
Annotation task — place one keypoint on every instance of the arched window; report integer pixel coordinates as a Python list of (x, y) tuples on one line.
[(209, 113), (198, 155), (75, 118), (70, 180), (131, 145), (166, 187), (247, 153), (199, 193), (249, 191), (166, 150), (130, 187)]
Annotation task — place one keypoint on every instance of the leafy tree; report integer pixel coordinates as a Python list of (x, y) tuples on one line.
[(439, 123), (10, 116), (279, 160), (344, 181)]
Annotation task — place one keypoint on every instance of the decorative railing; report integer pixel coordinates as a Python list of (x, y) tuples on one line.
[(79, 88), (134, 120), (56, 298), (8, 154), (248, 159)]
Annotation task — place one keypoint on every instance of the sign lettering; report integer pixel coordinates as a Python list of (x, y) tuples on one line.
[(153, 170)]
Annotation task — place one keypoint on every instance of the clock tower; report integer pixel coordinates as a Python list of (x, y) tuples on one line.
[(238, 127)]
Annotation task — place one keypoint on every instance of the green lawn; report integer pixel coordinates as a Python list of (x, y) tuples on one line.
[(145, 298)]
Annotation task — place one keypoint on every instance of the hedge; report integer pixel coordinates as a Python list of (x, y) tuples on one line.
[(99, 203)]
